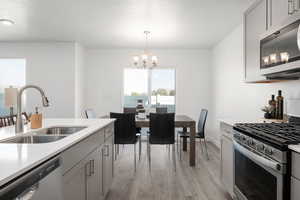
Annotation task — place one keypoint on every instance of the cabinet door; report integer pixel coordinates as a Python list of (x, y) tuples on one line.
[(74, 182), (94, 175), (227, 163), (295, 188), (279, 11), (255, 24), (107, 164)]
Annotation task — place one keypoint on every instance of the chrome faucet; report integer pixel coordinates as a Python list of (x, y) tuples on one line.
[(19, 121)]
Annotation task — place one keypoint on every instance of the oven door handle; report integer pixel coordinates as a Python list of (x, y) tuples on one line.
[(259, 159)]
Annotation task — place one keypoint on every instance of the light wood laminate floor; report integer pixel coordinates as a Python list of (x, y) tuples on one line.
[(199, 183)]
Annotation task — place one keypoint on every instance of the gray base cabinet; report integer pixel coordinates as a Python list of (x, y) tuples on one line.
[(107, 151), (227, 158), (89, 176), (295, 179)]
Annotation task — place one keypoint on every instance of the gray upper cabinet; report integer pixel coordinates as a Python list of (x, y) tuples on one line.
[(255, 24), (279, 11)]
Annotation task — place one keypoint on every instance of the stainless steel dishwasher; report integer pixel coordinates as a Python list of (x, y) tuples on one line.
[(41, 183)]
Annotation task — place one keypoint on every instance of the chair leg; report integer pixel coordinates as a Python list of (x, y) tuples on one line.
[(201, 145), (168, 150), (118, 149), (140, 147), (115, 151), (174, 157), (180, 148), (134, 158), (149, 154), (177, 142), (206, 149)]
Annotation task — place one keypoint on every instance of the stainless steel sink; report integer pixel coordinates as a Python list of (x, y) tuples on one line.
[(60, 130), (34, 139)]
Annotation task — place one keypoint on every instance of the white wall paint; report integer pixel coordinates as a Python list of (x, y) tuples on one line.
[(51, 66), (104, 78), (79, 79), (232, 98)]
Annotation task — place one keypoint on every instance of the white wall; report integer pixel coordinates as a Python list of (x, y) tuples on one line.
[(104, 78), (51, 66), (79, 79), (232, 98)]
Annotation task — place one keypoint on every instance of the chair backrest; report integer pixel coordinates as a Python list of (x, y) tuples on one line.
[(161, 110), (90, 114), (10, 120), (202, 121), (6, 121), (162, 128), (129, 110), (125, 129)]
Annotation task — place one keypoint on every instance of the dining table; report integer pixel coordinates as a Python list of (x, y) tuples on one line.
[(181, 121)]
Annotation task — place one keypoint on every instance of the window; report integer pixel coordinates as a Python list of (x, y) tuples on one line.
[(156, 87), (12, 74)]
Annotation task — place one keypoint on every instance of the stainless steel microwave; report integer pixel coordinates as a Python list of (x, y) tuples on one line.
[(280, 52)]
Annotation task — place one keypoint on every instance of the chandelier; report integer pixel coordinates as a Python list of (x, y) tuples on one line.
[(146, 57)]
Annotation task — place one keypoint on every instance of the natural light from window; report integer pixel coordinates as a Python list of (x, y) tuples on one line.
[(12, 74), (156, 85)]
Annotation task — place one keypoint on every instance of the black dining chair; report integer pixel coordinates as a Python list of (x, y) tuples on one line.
[(199, 134), (138, 129), (90, 114), (161, 110), (125, 130), (162, 132)]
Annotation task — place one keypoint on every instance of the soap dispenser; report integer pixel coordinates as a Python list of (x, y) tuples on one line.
[(36, 119)]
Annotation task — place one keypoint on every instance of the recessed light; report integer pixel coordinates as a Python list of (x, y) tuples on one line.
[(7, 22)]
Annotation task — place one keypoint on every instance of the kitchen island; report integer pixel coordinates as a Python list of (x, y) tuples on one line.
[(93, 145)]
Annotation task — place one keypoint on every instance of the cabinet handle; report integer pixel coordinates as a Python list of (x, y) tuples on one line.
[(92, 167), (267, 14), (107, 150), (88, 169)]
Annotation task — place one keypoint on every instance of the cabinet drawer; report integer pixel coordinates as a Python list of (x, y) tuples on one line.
[(295, 165), (79, 151), (108, 131)]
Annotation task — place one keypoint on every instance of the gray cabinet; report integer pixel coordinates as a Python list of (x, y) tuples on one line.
[(278, 12), (88, 166), (295, 188), (255, 24), (84, 181), (227, 159), (107, 153), (295, 179)]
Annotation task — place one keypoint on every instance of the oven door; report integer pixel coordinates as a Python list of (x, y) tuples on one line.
[(256, 177)]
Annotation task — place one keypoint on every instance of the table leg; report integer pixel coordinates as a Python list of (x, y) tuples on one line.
[(184, 140), (192, 145)]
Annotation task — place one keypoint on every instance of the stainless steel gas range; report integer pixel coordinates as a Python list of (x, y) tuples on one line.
[(262, 159)]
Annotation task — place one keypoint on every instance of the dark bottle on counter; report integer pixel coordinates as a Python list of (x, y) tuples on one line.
[(272, 104), (279, 105)]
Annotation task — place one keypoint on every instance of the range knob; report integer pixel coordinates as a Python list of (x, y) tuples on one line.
[(268, 151), (261, 147), (250, 142)]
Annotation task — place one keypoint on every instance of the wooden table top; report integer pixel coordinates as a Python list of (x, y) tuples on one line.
[(180, 121)]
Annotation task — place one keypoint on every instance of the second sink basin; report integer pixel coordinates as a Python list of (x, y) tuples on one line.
[(34, 139), (60, 130)]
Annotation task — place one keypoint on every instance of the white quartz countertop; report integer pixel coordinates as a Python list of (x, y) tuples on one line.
[(15, 159)]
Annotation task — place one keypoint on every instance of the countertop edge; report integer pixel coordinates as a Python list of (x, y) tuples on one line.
[(92, 129)]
